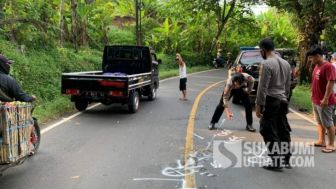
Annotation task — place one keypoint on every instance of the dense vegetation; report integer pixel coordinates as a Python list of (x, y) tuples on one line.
[(48, 37)]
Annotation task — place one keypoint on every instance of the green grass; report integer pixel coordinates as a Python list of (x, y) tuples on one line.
[(46, 111), (302, 97)]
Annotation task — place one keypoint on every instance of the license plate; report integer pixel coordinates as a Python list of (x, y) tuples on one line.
[(93, 93)]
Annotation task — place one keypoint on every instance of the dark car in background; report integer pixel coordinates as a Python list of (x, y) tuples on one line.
[(248, 61)]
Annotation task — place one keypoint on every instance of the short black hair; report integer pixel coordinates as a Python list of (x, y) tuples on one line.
[(238, 77), (314, 50), (266, 44)]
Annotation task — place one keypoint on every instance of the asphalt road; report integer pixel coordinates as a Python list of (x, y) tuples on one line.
[(107, 148)]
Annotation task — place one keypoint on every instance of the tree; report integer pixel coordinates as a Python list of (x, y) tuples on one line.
[(312, 17), (62, 26), (74, 24), (224, 10)]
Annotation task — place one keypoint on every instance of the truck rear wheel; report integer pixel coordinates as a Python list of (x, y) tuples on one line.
[(152, 94), (81, 105), (133, 102)]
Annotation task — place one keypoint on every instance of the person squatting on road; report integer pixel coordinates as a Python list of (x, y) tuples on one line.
[(183, 76), (272, 105), (10, 90), (242, 84), (323, 98)]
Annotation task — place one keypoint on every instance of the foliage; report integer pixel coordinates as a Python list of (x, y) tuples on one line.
[(312, 17), (39, 72), (302, 97), (278, 25)]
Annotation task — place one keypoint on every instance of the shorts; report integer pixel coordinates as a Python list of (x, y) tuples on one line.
[(334, 116), (324, 116), (183, 84)]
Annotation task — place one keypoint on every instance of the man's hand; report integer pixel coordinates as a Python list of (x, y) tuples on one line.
[(246, 91), (229, 114), (258, 111), (34, 97), (324, 102)]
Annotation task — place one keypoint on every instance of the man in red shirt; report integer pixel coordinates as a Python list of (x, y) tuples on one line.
[(323, 99)]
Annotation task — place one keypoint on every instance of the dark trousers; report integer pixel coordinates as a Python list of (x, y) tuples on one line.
[(240, 94), (275, 129)]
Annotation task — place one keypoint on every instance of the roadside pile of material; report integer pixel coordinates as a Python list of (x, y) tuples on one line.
[(15, 127)]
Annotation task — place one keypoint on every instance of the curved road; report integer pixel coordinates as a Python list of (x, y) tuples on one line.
[(107, 148)]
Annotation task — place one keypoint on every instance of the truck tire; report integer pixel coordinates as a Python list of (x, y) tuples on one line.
[(152, 94), (81, 105), (133, 102)]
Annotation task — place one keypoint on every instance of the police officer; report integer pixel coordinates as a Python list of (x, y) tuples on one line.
[(240, 85), (272, 105)]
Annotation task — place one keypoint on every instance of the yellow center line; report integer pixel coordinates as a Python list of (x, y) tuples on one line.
[(189, 145)]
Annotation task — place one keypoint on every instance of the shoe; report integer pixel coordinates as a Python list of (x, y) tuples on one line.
[(250, 128), (273, 168), (288, 165), (328, 150), (211, 126), (318, 145)]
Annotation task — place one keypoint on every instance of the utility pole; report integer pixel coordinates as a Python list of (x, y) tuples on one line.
[(138, 22)]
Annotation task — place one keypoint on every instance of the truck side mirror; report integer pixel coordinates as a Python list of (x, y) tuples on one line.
[(159, 61)]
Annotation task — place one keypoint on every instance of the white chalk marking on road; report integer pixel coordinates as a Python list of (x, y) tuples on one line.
[(196, 135), (53, 126), (303, 116), (156, 179)]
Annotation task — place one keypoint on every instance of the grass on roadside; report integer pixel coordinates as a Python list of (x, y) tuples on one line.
[(51, 110), (302, 97)]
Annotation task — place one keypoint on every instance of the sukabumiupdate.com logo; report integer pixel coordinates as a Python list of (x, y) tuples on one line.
[(239, 153)]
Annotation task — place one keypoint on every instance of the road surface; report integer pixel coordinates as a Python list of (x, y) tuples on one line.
[(107, 148)]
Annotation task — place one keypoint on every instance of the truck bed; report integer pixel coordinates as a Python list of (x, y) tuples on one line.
[(77, 83)]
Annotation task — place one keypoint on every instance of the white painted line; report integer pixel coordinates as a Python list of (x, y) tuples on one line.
[(157, 179), (303, 116), (65, 120)]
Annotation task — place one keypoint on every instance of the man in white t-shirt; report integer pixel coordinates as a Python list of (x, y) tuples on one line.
[(183, 76)]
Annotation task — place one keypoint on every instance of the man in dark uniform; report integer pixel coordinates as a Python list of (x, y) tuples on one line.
[(242, 84), (272, 105)]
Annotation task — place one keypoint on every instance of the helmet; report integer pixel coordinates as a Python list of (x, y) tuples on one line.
[(5, 64)]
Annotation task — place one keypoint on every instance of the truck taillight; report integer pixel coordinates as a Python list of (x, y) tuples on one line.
[(108, 83), (72, 91), (116, 93)]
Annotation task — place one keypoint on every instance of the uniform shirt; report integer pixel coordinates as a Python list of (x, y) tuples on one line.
[(274, 80), (321, 75), (248, 84)]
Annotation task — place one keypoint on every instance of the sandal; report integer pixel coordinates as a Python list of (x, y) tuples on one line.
[(318, 145), (328, 150)]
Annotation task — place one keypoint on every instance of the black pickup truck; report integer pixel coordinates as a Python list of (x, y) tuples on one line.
[(128, 72)]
